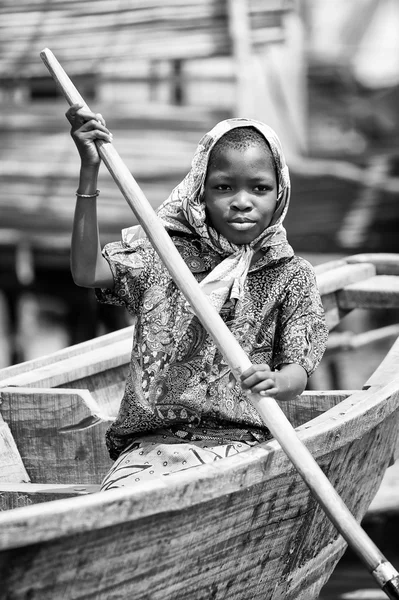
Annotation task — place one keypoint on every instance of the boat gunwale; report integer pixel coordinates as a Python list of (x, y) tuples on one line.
[(90, 347)]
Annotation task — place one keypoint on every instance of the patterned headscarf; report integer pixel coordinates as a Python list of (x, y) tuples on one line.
[(184, 211)]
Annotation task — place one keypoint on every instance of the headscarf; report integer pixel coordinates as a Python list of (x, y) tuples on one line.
[(184, 211)]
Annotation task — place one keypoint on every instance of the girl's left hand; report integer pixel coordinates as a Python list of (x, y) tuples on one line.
[(260, 379)]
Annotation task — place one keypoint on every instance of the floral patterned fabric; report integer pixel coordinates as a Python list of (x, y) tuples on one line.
[(160, 454), (178, 379), (177, 375)]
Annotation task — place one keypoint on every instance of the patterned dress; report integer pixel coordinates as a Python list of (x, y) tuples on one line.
[(182, 406), (178, 380)]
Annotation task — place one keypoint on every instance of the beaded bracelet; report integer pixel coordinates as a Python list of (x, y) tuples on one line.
[(88, 195)]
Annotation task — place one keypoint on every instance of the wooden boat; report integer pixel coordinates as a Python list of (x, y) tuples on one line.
[(245, 527)]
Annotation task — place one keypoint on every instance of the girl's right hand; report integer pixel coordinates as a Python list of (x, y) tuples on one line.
[(86, 127)]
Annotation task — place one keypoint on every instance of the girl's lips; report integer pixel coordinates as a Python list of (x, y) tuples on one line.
[(242, 225)]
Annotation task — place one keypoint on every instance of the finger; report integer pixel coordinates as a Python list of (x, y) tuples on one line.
[(71, 112), (256, 378), (74, 108), (94, 124), (96, 134), (269, 393), (100, 118), (266, 388), (253, 369), (78, 114), (265, 385)]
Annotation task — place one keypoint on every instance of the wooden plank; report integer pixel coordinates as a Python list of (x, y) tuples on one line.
[(385, 263), (311, 404), (134, 30), (335, 279), (78, 350), (377, 292), (240, 33), (104, 379), (330, 265), (333, 312), (347, 340), (46, 488), (100, 366), (35, 418), (75, 367), (12, 468), (49, 488), (357, 222), (17, 495), (387, 370), (343, 290)]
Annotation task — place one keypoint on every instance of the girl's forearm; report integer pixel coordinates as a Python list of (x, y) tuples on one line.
[(292, 380), (89, 268), (88, 178)]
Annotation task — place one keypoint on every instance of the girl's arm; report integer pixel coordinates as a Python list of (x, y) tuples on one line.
[(89, 268), (286, 383)]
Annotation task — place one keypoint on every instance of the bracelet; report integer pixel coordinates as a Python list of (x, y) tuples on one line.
[(88, 195)]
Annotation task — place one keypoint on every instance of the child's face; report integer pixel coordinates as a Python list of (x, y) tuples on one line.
[(241, 193)]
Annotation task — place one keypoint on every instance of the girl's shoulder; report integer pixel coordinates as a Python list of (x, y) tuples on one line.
[(302, 264), (294, 265), (301, 273)]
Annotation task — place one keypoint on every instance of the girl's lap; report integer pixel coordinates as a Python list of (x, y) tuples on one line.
[(152, 456)]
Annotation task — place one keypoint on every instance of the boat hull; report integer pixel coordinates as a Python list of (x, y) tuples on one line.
[(244, 528)]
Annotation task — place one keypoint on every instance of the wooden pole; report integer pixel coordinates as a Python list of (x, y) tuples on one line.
[(383, 571), (240, 35)]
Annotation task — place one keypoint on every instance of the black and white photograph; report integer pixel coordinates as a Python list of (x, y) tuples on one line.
[(199, 299)]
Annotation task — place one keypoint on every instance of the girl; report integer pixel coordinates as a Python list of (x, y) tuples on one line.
[(182, 407)]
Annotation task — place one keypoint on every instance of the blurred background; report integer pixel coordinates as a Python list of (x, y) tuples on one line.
[(323, 73)]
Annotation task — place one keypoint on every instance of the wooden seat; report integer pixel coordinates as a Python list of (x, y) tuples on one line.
[(357, 282), (380, 291)]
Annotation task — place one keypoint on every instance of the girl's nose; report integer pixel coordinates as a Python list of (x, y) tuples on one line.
[(242, 201)]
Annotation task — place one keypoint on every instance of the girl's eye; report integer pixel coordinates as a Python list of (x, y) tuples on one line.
[(261, 188), (222, 187)]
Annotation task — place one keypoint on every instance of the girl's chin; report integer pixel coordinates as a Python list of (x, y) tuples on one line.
[(241, 240)]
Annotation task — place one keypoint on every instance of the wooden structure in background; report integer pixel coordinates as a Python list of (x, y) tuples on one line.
[(102, 39), (246, 525), (101, 43)]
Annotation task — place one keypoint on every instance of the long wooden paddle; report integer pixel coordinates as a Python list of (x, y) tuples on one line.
[(383, 571)]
